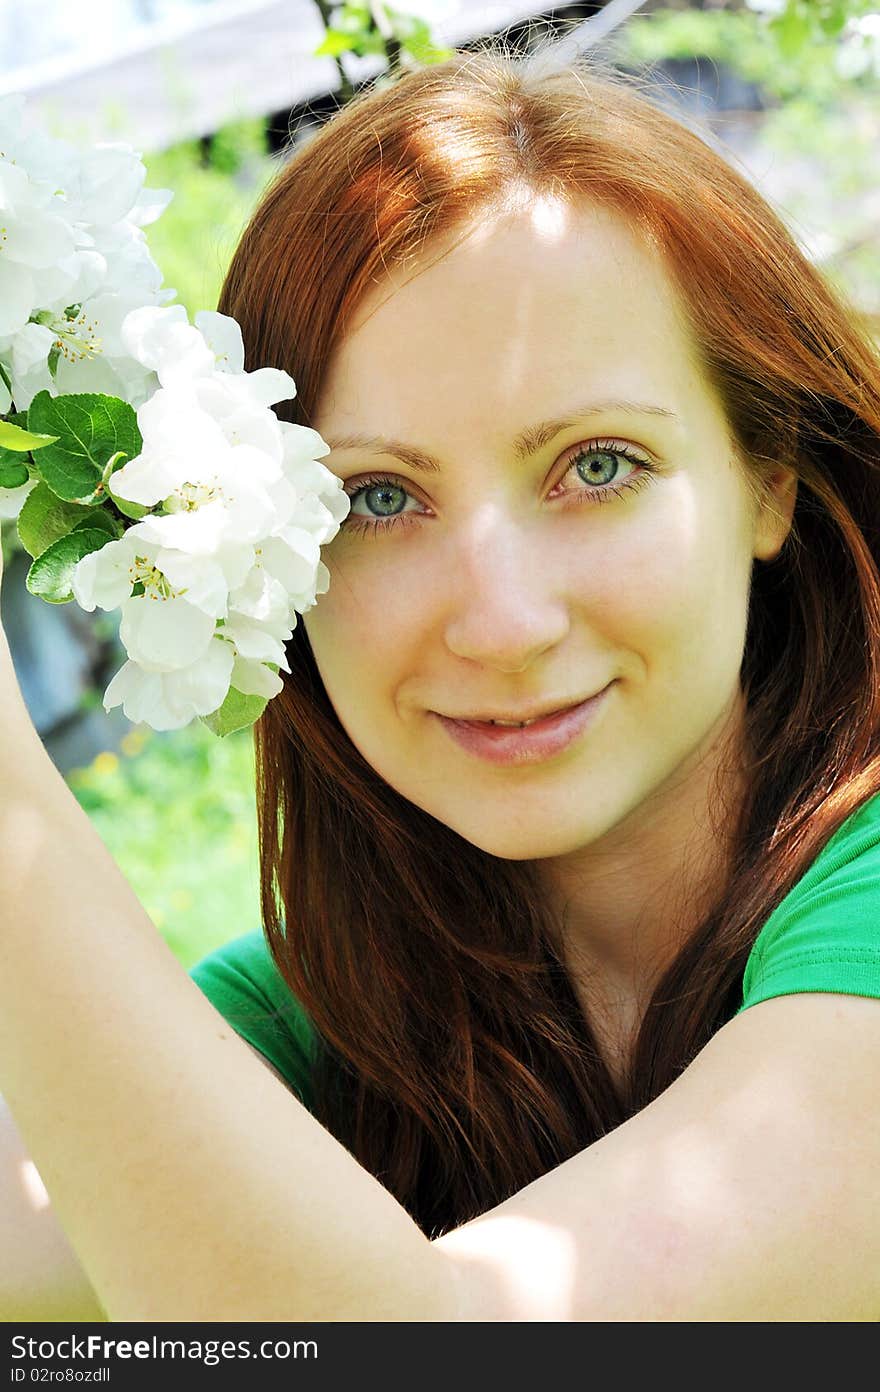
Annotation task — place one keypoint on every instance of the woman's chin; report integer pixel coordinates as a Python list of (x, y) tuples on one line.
[(517, 844)]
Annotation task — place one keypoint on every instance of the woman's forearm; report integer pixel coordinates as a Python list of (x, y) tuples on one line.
[(191, 1184)]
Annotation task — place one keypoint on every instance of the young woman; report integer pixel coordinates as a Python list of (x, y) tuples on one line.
[(569, 808)]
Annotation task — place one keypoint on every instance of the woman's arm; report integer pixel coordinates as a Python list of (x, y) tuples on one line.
[(40, 1275), (189, 1181), (747, 1191)]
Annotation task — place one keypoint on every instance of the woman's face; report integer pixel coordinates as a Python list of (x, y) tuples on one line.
[(494, 565)]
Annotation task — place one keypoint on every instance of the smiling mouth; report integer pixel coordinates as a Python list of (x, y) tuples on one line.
[(513, 724), (521, 724), (532, 740)]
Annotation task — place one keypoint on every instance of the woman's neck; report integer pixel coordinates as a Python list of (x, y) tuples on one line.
[(625, 906)]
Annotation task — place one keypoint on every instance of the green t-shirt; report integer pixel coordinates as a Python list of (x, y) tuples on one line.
[(823, 936)]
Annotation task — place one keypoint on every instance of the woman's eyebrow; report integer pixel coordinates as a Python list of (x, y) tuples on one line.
[(525, 445)]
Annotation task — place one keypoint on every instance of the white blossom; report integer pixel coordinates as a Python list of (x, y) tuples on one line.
[(170, 700), (239, 508), (35, 240), (210, 580), (73, 263)]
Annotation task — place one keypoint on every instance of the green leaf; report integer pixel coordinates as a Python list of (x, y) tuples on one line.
[(128, 509), (406, 26), (425, 51), (334, 43), (352, 15), (102, 517), (13, 470), (13, 438), (833, 21), (792, 31), (90, 430), (236, 713), (365, 44), (45, 518), (51, 574)]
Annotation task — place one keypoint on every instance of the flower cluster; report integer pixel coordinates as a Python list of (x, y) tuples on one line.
[(211, 579), (73, 262), (145, 466)]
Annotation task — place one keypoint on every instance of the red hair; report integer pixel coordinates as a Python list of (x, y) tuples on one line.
[(455, 1061)]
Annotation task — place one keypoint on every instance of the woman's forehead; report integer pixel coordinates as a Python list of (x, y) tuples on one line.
[(515, 310), (580, 249)]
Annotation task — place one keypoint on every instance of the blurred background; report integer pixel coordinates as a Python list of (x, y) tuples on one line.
[(215, 94)]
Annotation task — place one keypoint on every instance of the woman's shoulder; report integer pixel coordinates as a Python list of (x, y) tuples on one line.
[(825, 934), (242, 981)]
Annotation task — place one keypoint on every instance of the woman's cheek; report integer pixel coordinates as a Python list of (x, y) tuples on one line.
[(634, 584), (371, 614)]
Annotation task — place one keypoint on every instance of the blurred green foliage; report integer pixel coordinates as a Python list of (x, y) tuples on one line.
[(817, 66), (756, 45), (215, 185), (177, 812), (375, 28)]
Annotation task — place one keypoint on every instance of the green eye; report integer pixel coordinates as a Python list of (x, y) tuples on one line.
[(377, 504), (592, 471), (382, 499), (597, 463)]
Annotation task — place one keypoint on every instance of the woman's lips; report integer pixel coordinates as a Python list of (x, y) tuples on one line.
[(529, 744)]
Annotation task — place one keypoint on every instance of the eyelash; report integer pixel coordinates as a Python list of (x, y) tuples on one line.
[(358, 524)]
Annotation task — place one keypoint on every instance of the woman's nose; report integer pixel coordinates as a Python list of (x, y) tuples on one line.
[(507, 610)]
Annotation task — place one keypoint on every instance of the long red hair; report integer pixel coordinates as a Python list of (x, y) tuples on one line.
[(454, 1059)]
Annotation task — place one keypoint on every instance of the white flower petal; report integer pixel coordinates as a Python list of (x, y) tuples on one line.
[(236, 562), (164, 635), (103, 578), (223, 336), (26, 387), (141, 696), (111, 178), (16, 188), (147, 479), (168, 701), (103, 378), (267, 385), (242, 421), (260, 597), (12, 499), (201, 688), (161, 338), (253, 679), (200, 532), (36, 239), (255, 642), (201, 576), (174, 422), (17, 294), (302, 444), (30, 348), (150, 205)]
